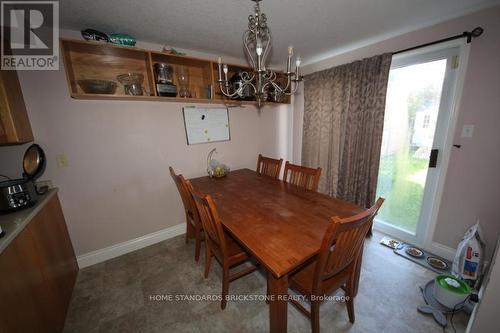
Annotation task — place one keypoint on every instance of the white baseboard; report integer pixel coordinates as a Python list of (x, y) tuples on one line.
[(113, 251), (443, 250)]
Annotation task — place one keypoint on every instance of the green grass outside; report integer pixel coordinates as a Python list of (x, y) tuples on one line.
[(399, 183)]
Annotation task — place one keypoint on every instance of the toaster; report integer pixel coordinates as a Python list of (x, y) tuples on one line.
[(16, 194)]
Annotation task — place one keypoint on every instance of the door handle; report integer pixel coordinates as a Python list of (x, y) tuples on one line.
[(433, 158)]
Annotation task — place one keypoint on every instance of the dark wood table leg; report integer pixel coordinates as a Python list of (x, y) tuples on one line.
[(278, 306)]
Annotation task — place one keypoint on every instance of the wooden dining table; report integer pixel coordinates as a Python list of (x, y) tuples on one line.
[(279, 224)]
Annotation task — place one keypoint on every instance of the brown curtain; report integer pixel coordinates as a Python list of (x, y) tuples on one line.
[(343, 124)]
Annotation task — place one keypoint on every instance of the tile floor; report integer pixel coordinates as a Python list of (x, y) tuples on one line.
[(115, 296)]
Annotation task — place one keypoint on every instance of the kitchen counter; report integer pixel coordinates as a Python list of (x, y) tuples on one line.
[(38, 268), (13, 223)]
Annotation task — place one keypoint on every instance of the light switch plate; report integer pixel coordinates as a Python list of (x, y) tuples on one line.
[(467, 131), (62, 160)]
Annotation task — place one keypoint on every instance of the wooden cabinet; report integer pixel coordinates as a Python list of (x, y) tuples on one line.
[(85, 60), (91, 60), (37, 273), (200, 74), (22, 289), (15, 127)]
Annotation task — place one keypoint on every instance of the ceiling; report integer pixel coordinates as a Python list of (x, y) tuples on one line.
[(315, 28)]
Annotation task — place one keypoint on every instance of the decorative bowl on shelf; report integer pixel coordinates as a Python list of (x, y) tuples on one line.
[(92, 86), (92, 34), (130, 78), (122, 39), (132, 83)]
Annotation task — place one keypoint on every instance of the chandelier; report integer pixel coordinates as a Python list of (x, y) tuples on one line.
[(257, 45)]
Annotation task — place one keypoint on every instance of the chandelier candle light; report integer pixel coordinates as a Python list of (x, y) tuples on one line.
[(257, 44)]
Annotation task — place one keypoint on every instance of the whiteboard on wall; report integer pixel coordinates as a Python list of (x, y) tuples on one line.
[(205, 125)]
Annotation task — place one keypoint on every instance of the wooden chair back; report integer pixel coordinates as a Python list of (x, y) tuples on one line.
[(187, 198), (349, 235), (212, 225), (270, 167), (301, 176)]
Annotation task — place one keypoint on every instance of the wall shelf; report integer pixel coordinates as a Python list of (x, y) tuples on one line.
[(104, 61)]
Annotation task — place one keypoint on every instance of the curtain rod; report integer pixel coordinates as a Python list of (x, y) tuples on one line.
[(476, 32)]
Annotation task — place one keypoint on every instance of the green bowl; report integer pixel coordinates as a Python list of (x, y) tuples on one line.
[(122, 39)]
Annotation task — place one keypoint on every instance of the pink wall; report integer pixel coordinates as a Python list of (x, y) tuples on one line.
[(117, 186), (472, 187)]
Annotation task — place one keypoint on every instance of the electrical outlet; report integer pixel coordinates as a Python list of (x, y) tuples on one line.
[(467, 131), (62, 160)]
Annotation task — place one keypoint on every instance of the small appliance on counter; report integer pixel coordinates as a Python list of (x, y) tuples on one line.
[(164, 84), (16, 194)]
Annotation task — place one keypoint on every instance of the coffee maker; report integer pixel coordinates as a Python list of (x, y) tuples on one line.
[(237, 82), (164, 84)]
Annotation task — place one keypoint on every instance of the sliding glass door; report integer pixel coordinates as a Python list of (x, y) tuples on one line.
[(417, 118)]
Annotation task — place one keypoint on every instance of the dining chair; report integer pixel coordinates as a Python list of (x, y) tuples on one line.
[(219, 244), (194, 227), (302, 176), (270, 167), (335, 266)]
